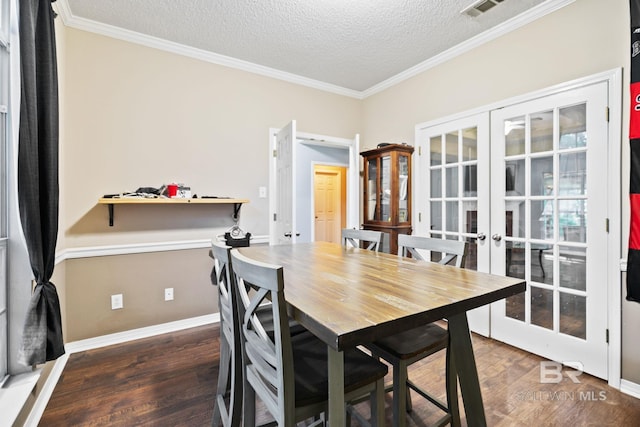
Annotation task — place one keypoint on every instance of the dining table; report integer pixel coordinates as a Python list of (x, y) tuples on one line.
[(349, 297)]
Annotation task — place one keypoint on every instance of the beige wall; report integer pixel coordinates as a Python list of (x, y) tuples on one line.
[(135, 116)]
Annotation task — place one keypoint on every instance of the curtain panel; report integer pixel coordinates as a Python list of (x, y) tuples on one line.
[(38, 177)]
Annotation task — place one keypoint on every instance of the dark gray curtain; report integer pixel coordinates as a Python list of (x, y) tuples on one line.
[(38, 177)]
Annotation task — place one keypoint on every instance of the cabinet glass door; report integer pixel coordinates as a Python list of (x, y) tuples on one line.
[(385, 184), (372, 185), (403, 188)]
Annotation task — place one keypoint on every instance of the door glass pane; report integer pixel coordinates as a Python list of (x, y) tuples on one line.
[(469, 144), (385, 183), (573, 174), (436, 216), (573, 315), (452, 181), (451, 147), (470, 179), (541, 131), (471, 262), (514, 218), (514, 177), (470, 216), (572, 221), (542, 219), (372, 173), (542, 176), (436, 183), (452, 216), (573, 268), (515, 306), (514, 259), (541, 258), (542, 307), (573, 129), (514, 136), (435, 143)]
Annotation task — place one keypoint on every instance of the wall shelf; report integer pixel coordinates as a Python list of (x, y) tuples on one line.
[(111, 202)]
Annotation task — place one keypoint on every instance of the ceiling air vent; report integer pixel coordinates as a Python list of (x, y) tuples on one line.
[(479, 7)]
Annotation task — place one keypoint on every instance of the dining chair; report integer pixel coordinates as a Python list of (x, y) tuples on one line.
[(407, 347), (228, 401), (290, 373), (354, 237)]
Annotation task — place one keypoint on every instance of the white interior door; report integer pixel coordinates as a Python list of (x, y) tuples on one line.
[(549, 225), (453, 163), (285, 185)]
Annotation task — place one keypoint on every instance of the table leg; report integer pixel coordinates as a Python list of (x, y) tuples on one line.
[(462, 355), (337, 407)]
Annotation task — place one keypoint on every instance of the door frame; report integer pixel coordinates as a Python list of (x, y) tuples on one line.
[(353, 174), (614, 261)]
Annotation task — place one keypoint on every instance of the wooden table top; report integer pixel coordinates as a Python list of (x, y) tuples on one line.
[(349, 296)]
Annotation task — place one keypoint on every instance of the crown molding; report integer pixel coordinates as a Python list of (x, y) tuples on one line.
[(70, 20), (513, 24), (535, 13)]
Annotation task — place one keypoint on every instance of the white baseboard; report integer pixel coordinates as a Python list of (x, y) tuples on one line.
[(103, 341), (630, 388)]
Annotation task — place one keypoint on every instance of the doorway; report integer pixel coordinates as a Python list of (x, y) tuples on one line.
[(291, 181), (329, 202)]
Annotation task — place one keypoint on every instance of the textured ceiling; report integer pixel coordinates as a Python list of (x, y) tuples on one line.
[(353, 44)]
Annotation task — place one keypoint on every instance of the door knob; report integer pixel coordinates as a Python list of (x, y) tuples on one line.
[(496, 237), (481, 236)]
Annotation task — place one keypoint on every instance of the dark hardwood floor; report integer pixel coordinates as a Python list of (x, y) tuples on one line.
[(170, 380)]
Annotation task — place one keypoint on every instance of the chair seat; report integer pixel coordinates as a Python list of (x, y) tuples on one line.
[(266, 319), (405, 345), (310, 366)]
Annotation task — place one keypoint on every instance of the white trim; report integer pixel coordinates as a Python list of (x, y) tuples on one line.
[(614, 207), (514, 23), (14, 393), (630, 388), (139, 248), (92, 343)]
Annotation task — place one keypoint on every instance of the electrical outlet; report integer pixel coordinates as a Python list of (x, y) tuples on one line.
[(168, 294), (262, 192), (117, 302)]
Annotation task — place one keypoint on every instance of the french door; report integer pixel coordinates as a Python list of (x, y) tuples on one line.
[(549, 225), (453, 164), (526, 187)]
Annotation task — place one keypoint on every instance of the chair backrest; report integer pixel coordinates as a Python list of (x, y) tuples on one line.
[(268, 358), (353, 237), (450, 249), (222, 277)]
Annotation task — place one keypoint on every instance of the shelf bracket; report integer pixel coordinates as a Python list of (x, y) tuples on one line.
[(110, 206), (236, 211)]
